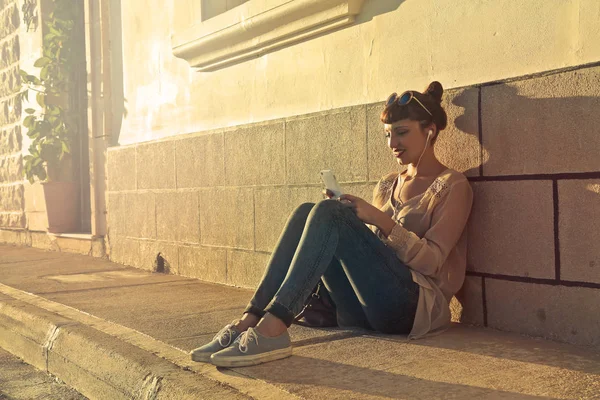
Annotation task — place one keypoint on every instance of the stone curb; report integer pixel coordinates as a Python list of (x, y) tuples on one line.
[(96, 364), (40, 331)]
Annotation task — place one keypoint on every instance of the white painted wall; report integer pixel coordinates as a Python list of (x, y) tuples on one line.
[(393, 46)]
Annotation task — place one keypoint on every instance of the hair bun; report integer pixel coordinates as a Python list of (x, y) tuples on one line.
[(435, 90)]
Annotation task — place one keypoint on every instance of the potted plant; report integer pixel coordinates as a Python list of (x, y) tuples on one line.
[(50, 128)]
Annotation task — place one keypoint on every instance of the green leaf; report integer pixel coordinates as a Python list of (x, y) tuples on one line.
[(46, 153), (53, 30), (41, 99), (42, 174), (49, 36), (44, 127), (55, 122), (44, 73), (42, 62), (32, 79), (49, 130), (28, 121)]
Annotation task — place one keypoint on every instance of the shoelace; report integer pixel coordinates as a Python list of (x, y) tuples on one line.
[(245, 338), (226, 332)]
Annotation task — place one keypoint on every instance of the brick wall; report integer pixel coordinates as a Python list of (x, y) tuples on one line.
[(213, 204), (12, 201)]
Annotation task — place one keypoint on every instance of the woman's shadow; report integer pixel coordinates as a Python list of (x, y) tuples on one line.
[(521, 135), (457, 364), (311, 377), (459, 145)]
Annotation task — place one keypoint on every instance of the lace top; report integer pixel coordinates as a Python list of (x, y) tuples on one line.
[(430, 238)]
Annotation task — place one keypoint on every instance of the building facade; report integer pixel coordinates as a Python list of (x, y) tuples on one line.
[(208, 122)]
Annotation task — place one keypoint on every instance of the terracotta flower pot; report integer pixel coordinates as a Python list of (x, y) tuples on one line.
[(62, 206)]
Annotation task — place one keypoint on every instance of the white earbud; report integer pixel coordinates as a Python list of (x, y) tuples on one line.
[(429, 134)]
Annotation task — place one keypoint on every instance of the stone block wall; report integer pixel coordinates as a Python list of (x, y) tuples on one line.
[(535, 225), (212, 205), (12, 192)]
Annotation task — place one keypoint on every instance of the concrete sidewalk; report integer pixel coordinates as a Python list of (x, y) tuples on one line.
[(20, 381), (113, 332)]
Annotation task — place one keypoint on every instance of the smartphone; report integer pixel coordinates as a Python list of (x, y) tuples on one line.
[(331, 183)]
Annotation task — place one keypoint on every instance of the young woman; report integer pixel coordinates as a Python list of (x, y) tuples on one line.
[(396, 277)]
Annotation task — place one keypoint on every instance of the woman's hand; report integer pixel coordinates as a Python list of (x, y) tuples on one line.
[(328, 194), (366, 212)]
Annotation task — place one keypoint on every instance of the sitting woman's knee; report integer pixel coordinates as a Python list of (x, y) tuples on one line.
[(304, 209), (326, 209), (328, 204)]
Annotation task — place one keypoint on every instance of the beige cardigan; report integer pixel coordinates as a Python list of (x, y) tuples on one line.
[(430, 237)]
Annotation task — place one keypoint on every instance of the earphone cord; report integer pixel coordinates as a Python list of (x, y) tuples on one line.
[(402, 181), (421, 156), (415, 174)]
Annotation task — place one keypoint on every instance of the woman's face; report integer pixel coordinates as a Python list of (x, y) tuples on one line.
[(407, 140)]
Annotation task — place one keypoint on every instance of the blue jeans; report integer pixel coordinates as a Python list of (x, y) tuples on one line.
[(369, 284)]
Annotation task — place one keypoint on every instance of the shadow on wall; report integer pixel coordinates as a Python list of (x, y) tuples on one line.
[(370, 10), (520, 126), (462, 148), (374, 8), (534, 136)]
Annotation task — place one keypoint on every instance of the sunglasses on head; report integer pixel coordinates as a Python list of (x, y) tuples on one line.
[(404, 99)]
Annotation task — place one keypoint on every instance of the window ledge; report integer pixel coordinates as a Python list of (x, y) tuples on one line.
[(258, 27)]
